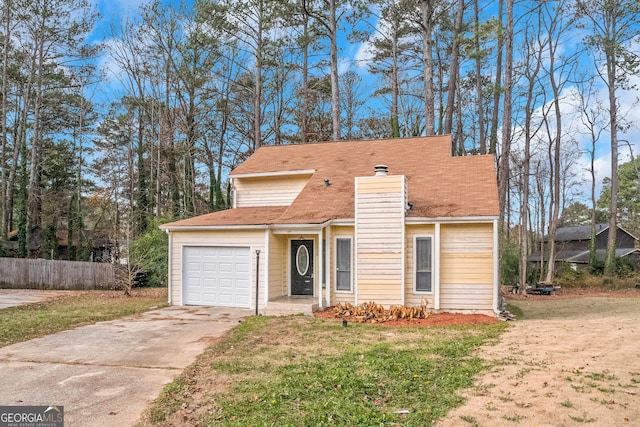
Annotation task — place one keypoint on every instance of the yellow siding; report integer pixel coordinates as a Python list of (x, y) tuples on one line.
[(380, 210), (467, 238), (268, 191), (466, 267), (461, 296), (480, 264), (253, 239), (380, 184), (277, 266)]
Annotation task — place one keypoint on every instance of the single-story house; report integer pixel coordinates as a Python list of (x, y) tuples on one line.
[(572, 245), (393, 221)]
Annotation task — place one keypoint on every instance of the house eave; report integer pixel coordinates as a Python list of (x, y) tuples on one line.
[(282, 228), (343, 222), (298, 228), (214, 227), (450, 220), (270, 174)]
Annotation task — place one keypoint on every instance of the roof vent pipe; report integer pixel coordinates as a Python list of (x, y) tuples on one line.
[(381, 170)]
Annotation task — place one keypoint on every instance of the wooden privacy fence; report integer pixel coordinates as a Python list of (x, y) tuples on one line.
[(19, 273)]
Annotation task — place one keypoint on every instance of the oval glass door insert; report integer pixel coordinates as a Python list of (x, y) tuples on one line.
[(302, 260)]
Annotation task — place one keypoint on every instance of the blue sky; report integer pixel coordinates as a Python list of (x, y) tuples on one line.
[(354, 54)]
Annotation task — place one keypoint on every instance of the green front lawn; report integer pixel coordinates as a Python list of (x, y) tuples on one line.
[(304, 371)]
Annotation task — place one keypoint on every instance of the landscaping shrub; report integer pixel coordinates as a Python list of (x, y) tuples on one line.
[(149, 253)]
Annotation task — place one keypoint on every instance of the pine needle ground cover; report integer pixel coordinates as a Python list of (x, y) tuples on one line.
[(300, 370)]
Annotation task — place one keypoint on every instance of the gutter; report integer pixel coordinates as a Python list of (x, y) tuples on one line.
[(269, 174), (214, 227), (449, 219), (245, 227)]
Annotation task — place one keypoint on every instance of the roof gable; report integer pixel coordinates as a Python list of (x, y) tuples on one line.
[(583, 232)]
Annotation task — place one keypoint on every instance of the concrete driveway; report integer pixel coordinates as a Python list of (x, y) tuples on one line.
[(14, 297), (105, 374)]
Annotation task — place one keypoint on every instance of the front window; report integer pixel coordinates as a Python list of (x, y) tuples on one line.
[(423, 264), (343, 264)]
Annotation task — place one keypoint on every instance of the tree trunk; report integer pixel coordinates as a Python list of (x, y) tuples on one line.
[(19, 136), (478, 69), (503, 166), (257, 95), (7, 15), (335, 89), (497, 89), (555, 162), (34, 204), (395, 85), (141, 204), (610, 261), (427, 14), (454, 73), (305, 80)]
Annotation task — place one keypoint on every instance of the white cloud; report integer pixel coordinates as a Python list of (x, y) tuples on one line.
[(344, 64), (363, 55)]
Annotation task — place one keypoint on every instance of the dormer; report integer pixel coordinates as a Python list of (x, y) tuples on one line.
[(268, 188)]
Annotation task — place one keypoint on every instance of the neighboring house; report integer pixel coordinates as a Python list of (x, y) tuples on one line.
[(330, 229), (102, 248), (573, 245)]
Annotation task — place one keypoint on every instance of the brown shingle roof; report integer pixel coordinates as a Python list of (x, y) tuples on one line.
[(439, 184), (240, 216)]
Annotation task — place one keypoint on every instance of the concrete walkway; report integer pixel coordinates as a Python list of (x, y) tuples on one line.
[(106, 374)]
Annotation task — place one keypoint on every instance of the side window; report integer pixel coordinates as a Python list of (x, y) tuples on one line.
[(343, 264), (423, 264)]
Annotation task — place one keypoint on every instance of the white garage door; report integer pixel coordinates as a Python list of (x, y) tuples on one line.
[(216, 275)]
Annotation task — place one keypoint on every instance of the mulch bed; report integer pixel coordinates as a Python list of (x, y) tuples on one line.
[(434, 319)]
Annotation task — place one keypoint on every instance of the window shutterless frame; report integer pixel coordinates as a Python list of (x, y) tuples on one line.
[(423, 264), (343, 269)]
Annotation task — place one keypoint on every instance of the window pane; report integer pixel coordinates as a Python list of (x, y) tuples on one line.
[(423, 280), (423, 264), (302, 260), (343, 281), (423, 254), (343, 264)]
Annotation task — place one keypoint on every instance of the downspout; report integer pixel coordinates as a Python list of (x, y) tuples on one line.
[(233, 193), (267, 252), (403, 259), (436, 269), (257, 277), (327, 274), (169, 258), (496, 269), (321, 269)]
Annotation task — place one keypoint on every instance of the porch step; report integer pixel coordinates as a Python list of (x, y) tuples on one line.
[(288, 307)]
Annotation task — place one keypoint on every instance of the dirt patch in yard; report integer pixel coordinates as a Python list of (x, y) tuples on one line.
[(572, 361)]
